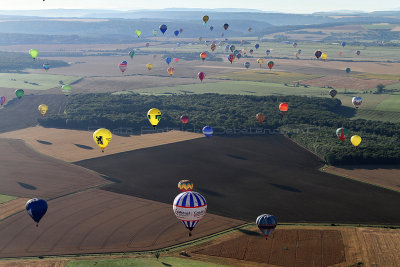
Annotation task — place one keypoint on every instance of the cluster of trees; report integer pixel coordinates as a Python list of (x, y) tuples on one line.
[(14, 62), (310, 121)]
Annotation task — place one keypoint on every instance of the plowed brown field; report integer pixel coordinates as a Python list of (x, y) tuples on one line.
[(10, 207), (347, 82)]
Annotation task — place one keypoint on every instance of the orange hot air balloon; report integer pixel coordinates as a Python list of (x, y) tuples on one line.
[(283, 107), (203, 56), (171, 71), (260, 117)]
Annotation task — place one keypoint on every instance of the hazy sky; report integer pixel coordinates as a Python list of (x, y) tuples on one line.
[(293, 6)]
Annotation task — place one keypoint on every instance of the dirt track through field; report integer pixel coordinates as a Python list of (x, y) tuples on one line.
[(74, 145), (10, 207), (26, 173), (101, 221)]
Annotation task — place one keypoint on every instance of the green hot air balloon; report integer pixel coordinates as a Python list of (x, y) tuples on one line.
[(348, 70), (19, 93), (138, 33), (66, 89), (132, 54), (34, 53), (155, 32)]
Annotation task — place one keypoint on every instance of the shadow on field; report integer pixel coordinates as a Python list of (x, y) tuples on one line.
[(44, 142), (236, 157), (347, 112), (287, 188), (166, 264), (27, 186), (209, 192), (84, 147), (248, 232)]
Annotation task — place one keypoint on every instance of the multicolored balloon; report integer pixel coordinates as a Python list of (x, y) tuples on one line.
[(332, 93), (2, 100), (270, 64), (66, 89), (357, 101), (324, 56), (342, 133), (171, 71), (205, 19), (189, 207), (260, 117), (260, 61), (267, 224), (184, 119), (213, 46), (185, 185), (318, 54), (46, 66), (231, 57), (36, 208), (123, 66), (268, 51), (203, 56)]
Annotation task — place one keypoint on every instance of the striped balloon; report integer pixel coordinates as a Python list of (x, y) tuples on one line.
[(2, 100), (266, 223), (185, 185), (189, 207)]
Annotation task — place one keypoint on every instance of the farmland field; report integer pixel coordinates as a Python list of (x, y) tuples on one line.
[(4, 198), (34, 81), (377, 115), (390, 104)]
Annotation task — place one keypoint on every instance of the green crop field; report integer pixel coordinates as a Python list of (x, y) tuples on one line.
[(392, 103), (377, 115), (264, 75), (34, 81), (163, 261), (4, 198)]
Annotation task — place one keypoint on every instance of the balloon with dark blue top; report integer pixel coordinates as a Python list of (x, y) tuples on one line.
[(36, 208)]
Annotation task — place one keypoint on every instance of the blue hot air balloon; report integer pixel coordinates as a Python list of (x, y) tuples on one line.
[(211, 28), (46, 66), (168, 60), (36, 208), (268, 52), (227, 48), (266, 223), (178, 44), (257, 46), (208, 131), (163, 28), (176, 33), (343, 44)]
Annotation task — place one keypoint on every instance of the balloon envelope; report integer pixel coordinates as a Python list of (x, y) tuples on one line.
[(203, 56), (260, 117), (348, 70), (247, 65), (342, 133), (163, 28), (149, 66), (257, 46), (43, 109), (66, 89), (102, 137), (324, 56), (185, 185), (46, 66), (138, 33), (168, 60), (2, 100), (283, 107), (154, 116), (268, 52), (266, 223), (206, 18), (123, 66), (357, 101), (189, 207), (132, 53), (176, 33), (184, 119), (171, 71), (208, 131), (201, 76), (355, 140), (34, 53), (231, 57), (36, 208), (226, 26), (270, 64), (19, 93), (318, 54), (332, 92)]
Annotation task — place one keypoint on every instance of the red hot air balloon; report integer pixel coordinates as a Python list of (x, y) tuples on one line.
[(283, 107), (201, 76), (260, 117), (231, 57), (203, 56), (123, 66), (184, 119), (270, 64)]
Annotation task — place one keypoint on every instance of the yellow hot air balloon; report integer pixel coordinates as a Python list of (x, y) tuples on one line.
[(205, 19), (43, 109), (149, 66), (102, 137), (171, 70), (355, 140), (154, 116), (260, 61), (138, 33), (324, 56)]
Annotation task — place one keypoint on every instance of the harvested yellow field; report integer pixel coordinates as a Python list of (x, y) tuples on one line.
[(10, 207), (74, 145)]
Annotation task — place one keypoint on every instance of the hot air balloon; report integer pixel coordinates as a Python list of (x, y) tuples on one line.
[(299, 51), (213, 46), (176, 60), (171, 71), (294, 45), (232, 48), (154, 116), (19, 93), (358, 53), (46, 66), (260, 61), (176, 33), (102, 137), (235, 53), (268, 51), (208, 131), (318, 54), (180, 30), (147, 45), (239, 56), (257, 46), (283, 107), (185, 185), (267, 224), (270, 64), (2, 100), (251, 51), (189, 207), (357, 101), (231, 57), (155, 32), (138, 33), (205, 19), (211, 28), (332, 93), (132, 53), (184, 119), (149, 66), (36, 208), (343, 44), (123, 66), (340, 53), (342, 133), (43, 109), (247, 65), (249, 29), (168, 60), (163, 28), (34, 53), (355, 140), (348, 70), (324, 56), (201, 76), (66, 89), (260, 117), (226, 26), (203, 56)]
